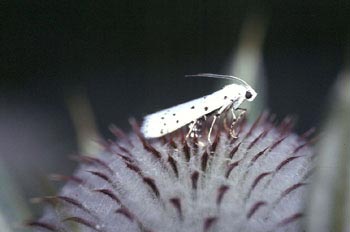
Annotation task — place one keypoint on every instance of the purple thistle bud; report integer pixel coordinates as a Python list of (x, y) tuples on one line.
[(254, 182)]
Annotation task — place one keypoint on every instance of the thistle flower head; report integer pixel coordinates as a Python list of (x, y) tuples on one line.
[(255, 181)]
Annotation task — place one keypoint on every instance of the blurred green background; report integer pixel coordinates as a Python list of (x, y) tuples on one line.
[(129, 58)]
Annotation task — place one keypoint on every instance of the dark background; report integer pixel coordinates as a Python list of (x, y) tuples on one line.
[(130, 57)]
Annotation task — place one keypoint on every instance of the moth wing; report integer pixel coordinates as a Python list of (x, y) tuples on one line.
[(168, 120), (154, 126)]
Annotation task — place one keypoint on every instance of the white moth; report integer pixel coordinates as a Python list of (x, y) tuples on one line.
[(168, 120)]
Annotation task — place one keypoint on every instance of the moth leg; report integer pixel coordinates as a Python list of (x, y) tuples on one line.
[(222, 109), (211, 126), (243, 111), (233, 115), (232, 130), (191, 126)]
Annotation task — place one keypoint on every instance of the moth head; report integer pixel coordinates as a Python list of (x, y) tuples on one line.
[(250, 94), (245, 89)]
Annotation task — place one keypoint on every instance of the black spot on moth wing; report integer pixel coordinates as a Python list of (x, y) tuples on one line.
[(206, 108), (192, 107)]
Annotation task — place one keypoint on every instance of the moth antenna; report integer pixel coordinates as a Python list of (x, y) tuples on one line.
[(219, 76)]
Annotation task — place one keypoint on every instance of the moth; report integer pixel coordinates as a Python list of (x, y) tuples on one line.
[(229, 97)]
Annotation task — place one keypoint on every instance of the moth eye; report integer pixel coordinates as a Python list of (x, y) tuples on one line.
[(248, 95)]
